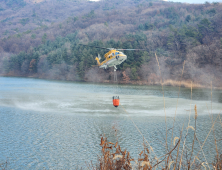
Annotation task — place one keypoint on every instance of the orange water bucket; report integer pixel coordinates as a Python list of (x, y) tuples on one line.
[(116, 101)]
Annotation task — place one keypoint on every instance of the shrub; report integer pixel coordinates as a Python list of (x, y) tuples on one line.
[(20, 3), (1, 9), (24, 21), (188, 18), (33, 36)]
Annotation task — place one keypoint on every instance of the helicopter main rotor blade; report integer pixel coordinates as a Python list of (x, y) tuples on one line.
[(130, 49), (109, 48), (94, 46)]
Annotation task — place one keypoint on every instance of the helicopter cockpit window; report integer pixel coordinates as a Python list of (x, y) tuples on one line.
[(113, 54), (116, 53)]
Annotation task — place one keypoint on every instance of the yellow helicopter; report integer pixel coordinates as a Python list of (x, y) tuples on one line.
[(112, 58)]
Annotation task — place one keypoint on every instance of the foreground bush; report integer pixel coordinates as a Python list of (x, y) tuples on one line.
[(180, 156)]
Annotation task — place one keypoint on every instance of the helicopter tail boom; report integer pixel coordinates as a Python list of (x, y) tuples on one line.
[(97, 59)]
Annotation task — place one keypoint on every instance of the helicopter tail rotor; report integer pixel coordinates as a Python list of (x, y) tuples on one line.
[(99, 57)]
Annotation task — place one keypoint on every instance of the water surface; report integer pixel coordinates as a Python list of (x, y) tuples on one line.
[(58, 125)]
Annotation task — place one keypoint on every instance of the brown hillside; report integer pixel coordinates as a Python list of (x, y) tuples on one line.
[(176, 32), (34, 1)]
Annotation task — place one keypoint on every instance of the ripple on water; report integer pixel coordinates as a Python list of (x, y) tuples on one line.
[(58, 125)]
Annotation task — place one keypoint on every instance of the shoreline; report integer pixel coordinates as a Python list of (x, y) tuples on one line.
[(168, 82)]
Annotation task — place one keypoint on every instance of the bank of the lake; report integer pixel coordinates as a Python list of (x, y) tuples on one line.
[(158, 81)]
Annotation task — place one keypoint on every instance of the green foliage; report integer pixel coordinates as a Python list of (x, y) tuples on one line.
[(205, 26), (145, 57), (125, 65), (44, 27), (89, 15), (33, 14), (75, 19), (188, 18), (211, 12), (16, 29), (33, 36), (134, 75), (207, 3), (146, 26), (66, 50), (20, 3), (205, 22), (215, 3), (24, 21), (44, 37), (6, 67), (6, 32), (15, 62), (18, 35), (108, 7), (7, 19), (172, 36), (141, 27), (187, 31), (179, 36), (171, 13), (1, 9), (27, 32)]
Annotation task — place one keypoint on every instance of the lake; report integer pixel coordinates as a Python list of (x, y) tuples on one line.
[(58, 125)]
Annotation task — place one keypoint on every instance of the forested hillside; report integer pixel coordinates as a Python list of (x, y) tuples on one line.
[(50, 49)]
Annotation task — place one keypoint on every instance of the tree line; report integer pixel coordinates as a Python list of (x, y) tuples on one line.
[(55, 59), (174, 31)]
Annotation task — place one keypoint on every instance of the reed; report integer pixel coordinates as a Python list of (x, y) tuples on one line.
[(182, 83), (174, 157), (114, 157), (3, 166), (163, 99)]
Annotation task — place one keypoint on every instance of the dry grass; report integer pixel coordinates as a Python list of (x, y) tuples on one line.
[(182, 83), (3, 166), (178, 155), (217, 164), (170, 82), (113, 157)]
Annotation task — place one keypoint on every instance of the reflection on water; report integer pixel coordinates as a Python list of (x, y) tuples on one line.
[(58, 125)]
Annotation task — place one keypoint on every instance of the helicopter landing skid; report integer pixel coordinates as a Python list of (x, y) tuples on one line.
[(115, 75), (115, 68)]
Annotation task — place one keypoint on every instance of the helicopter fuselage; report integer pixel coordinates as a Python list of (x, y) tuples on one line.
[(112, 58)]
